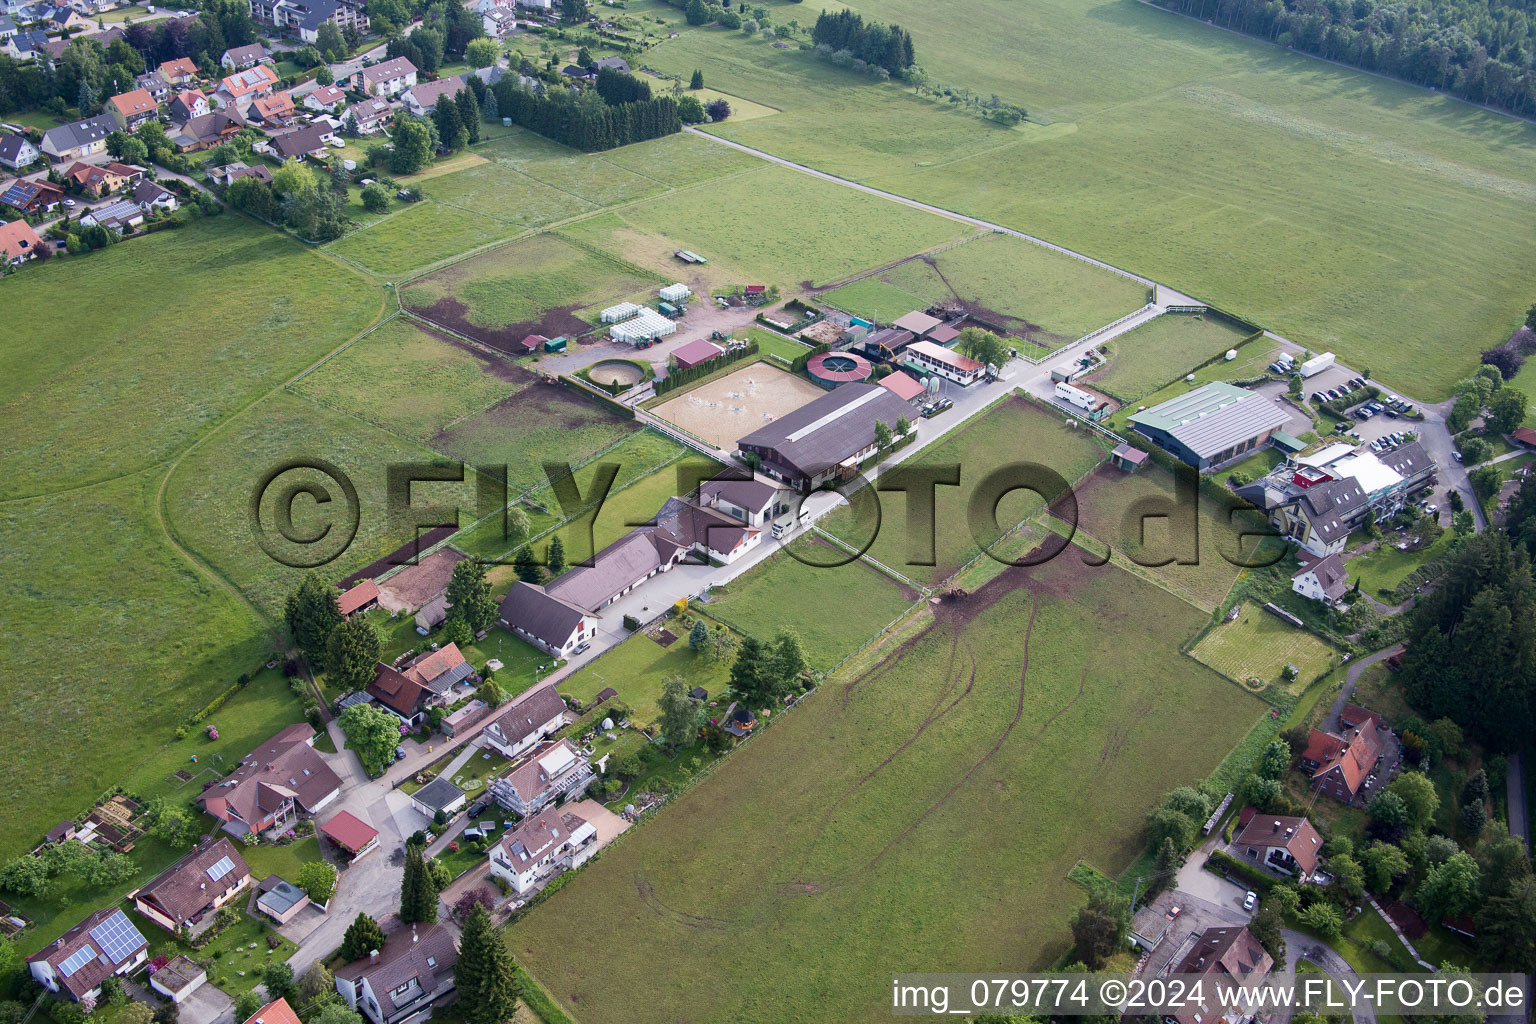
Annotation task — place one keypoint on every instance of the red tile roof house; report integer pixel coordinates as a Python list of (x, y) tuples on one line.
[(1231, 959), (360, 598), (276, 1012), (427, 680), (96, 181), (76, 963), (541, 847), (354, 836), (181, 71), (1339, 764), (18, 242), (525, 723), (132, 109), (189, 891), (548, 775), (276, 109), (281, 779), (1283, 844), (413, 971)]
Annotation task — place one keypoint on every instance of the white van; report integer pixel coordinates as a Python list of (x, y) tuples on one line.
[(780, 529)]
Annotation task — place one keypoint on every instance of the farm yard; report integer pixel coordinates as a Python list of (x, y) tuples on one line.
[(539, 285), (727, 408), (1135, 164), (1012, 431), (1004, 707), (1165, 349), (1037, 294), (1259, 646)]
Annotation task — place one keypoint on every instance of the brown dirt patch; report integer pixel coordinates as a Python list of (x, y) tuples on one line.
[(453, 314), (416, 585), (405, 554), (665, 637)]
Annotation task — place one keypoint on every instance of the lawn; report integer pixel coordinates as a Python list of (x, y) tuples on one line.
[(833, 610), (235, 958), (825, 232), (208, 497), (540, 285), (520, 170), (639, 666), (412, 381), (130, 382), (1385, 567), (1259, 646), (1035, 292), (1145, 359), (1138, 164), (1011, 432), (1031, 705), (771, 343), (284, 861)]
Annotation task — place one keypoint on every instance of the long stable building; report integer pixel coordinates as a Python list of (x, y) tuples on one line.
[(1213, 424), (827, 438)]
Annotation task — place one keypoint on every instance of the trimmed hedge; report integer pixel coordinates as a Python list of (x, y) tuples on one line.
[(678, 377), (1220, 862)]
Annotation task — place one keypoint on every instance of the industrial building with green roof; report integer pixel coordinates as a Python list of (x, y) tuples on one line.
[(1212, 424)]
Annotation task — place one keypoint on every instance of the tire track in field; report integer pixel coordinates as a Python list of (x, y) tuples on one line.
[(1082, 681), (647, 894)]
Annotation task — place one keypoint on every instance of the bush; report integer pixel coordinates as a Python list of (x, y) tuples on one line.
[(375, 199)]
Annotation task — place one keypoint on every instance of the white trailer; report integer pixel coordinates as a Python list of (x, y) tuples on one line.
[(1076, 396), (1316, 365)]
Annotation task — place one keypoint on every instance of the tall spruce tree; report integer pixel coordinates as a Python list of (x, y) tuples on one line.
[(312, 614), (470, 595), (554, 556), (351, 652), (363, 937), (469, 113), (418, 896), (484, 974), (526, 566)]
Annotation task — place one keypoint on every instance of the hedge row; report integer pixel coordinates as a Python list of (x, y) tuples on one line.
[(1337, 406), (798, 365), (1221, 862), (678, 376)]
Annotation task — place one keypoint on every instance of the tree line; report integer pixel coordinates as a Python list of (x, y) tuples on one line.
[(884, 46), (584, 120), (1479, 51)]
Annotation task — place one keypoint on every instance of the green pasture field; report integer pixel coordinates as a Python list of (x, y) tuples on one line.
[(1111, 506), (1260, 645), (541, 284), (1034, 291), (1012, 431), (1230, 169), (131, 379), (1011, 707), (207, 497), (821, 231), (832, 609), (681, 160), (412, 239), (1147, 358), (73, 781), (770, 343), (522, 155), (412, 381), (654, 251), (639, 666), (537, 424)]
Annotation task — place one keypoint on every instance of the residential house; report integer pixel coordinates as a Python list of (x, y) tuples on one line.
[(276, 1012), (438, 796), (241, 57), (421, 98), (1212, 424), (1319, 497), (550, 624), (303, 18), (1340, 763), (825, 439), (278, 781), (79, 139), (157, 85), (547, 776), (17, 152), (1282, 843), (301, 142), (368, 115), (498, 22), (38, 195), (181, 71), (275, 110), (359, 599), (228, 174), (153, 199), (241, 89), (65, 19), (541, 847), (531, 719), (132, 109), (118, 217), (612, 63), (194, 887), (426, 681), (18, 242), (754, 502), (412, 971), (207, 130), (8, 28), (76, 963), (28, 45), (325, 99), (1322, 579), (1233, 963), (385, 79), (187, 104), (96, 180)]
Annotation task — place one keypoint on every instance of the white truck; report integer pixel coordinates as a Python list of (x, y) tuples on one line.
[(1076, 396), (1315, 365)]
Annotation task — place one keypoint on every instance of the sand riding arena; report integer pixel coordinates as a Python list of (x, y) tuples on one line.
[(726, 409)]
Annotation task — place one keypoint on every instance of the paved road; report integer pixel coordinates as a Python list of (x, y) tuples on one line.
[(1352, 676), (1304, 947), (1519, 823)]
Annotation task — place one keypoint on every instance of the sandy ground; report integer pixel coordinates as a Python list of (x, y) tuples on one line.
[(415, 585), (730, 407)]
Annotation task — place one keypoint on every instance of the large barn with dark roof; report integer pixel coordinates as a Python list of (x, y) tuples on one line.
[(825, 439)]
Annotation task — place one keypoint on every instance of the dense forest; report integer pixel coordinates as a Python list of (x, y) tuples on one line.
[(881, 46), (585, 120), (1483, 52)]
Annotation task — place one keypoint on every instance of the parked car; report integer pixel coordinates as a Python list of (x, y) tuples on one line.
[(399, 753), (477, 808), (1364, 413), (1317, 396), (1456, 456), (1431, 508), (1250, 900), (583, 647)]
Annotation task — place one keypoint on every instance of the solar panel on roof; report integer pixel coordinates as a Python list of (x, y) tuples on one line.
[(78, 959), (222, 868), (117, 937)]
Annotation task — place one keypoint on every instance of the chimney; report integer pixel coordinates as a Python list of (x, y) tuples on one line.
[(1289, 832), (413, 934), (1277, 826), (373, 956)]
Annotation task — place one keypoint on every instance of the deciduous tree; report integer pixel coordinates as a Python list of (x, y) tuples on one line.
[(373, 734), (1099, 928), (679, 713)]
